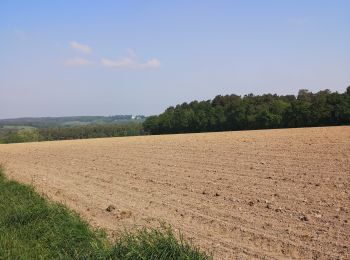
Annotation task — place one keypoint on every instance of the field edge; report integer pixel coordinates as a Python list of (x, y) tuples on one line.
[(31, 226)]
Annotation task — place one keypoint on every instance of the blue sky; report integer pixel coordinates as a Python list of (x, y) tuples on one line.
[(138, 57)]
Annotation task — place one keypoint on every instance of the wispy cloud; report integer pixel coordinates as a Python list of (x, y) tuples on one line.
[(83, 48), (130, 62), (19, 34), (77, 62), (299, 22)]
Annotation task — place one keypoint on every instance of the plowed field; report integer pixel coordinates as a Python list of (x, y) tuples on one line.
[(249, 194)]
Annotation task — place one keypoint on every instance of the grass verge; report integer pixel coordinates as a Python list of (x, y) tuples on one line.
[(34, 228)]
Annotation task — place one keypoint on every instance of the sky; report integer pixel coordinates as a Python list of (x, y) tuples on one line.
[(66, 58)]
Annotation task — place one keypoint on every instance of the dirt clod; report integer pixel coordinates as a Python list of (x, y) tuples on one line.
[(303, 218), (110, 208)]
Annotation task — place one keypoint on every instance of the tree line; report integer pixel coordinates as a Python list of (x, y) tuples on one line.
[(223, 113), (233, 112)]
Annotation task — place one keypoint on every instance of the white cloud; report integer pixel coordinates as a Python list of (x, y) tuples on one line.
[(130, 62), (80, 47), (77, 62), (153, 63)]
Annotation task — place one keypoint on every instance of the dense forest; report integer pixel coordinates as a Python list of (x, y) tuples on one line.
[(232, 112), (29, 134)]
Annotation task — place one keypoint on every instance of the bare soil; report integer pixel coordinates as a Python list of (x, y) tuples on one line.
[(269, 194)]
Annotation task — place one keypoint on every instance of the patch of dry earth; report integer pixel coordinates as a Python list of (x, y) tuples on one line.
[(266, 194)]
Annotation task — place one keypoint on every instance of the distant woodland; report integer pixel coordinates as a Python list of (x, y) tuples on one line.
[(232, 112), (41, 122), (70, 133), (67, 128)]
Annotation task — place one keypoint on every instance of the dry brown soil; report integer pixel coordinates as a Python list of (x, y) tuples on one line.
[(269, 194)]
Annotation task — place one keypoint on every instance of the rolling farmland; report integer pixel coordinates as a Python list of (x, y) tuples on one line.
[(247, 194)]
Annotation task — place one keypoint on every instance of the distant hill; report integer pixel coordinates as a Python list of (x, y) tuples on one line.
[(43, 122)]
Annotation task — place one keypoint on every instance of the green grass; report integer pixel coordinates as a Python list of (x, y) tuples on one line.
[(33, 228)]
